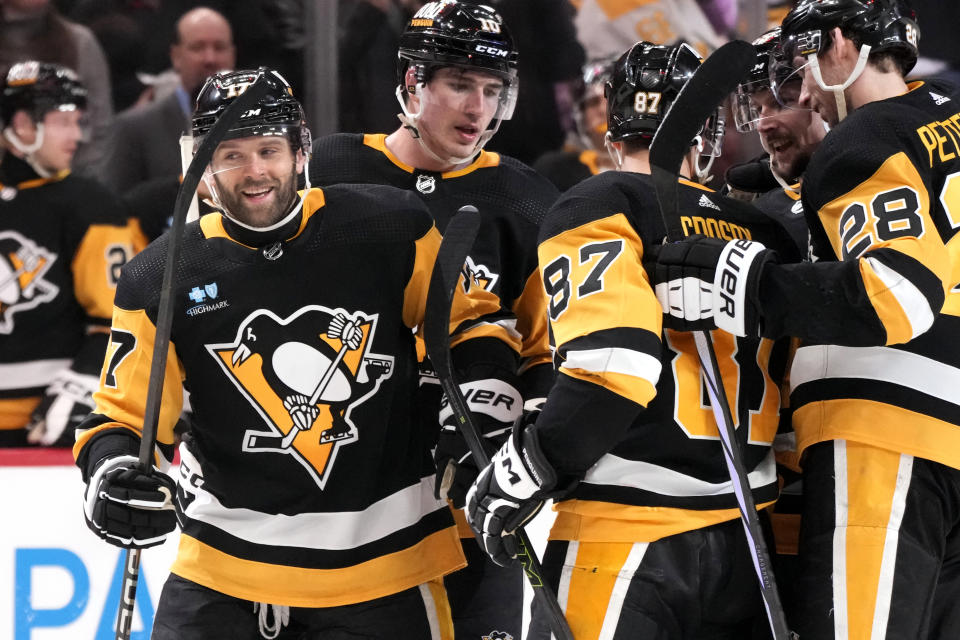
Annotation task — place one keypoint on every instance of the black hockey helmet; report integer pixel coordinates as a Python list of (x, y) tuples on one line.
[(278, 113), (643, 84), (885, 25), (40, 87), (770, 71), (590, 90), (595, 73), (448, 33)]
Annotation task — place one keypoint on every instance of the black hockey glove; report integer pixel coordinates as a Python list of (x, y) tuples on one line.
[(704, 283), (66, 403), (509, 492), (127, 507), (494, 405), (456, 469)]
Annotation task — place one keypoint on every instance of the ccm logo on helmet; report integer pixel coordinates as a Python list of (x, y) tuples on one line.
[(494, 51)]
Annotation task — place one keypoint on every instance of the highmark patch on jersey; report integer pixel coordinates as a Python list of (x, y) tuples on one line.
[(303, 375), (23, 264)]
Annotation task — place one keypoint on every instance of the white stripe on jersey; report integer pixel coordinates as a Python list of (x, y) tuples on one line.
[(876, 363), (881, 611), (36, 373), (510, 324), (431, 607), (620, 587), (914, 304), (566, 574), (841, 508), (614, 471), (615, 360), (334, 531)]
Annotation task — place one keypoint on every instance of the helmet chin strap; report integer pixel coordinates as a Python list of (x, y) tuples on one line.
[(837, 89), (776, 176), (215, 197), (411, 121), (29, 150), (783, 183), (703, 173), (615, 154)]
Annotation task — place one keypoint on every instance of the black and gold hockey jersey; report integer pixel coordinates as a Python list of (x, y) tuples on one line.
[(63, 240), (629, 412), (785, 206), (878, 309), (511, 198), (566, 168), (305, 480)]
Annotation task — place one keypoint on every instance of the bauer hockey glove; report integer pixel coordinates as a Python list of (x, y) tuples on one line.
[(704, 283), (509, 492), (66, 403), (127, 507), (494, 405)]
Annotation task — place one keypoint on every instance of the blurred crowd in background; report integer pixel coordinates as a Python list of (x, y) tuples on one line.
[(144, 60)]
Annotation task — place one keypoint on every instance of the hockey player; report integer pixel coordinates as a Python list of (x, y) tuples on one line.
[(647, 541), (63, 240), (567, 167), (306, 482), (456, 81), (874, 386), (769, 104)]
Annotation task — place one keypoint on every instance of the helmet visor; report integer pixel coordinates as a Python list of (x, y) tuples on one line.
[(757, 101), (467, 90), (270, 152)]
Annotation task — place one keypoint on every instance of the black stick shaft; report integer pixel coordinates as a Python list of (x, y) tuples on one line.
[(713, 81), (161, 342), (458, 239)]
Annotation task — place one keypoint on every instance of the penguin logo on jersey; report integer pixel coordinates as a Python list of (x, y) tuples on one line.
[(477, 275), (304, 375), (23, 264), (497, 635)]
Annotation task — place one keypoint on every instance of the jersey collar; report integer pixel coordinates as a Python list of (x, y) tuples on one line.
[(378, 141)]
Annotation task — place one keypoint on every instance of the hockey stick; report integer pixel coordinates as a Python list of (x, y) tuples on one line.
[(161, 342), (712, 82), (457, 240)]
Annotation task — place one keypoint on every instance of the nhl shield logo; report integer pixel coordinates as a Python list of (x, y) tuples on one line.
[(303, 375), (23, 265), (426, 184)]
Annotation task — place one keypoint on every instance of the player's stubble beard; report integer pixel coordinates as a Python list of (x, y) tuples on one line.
[(284, 192)]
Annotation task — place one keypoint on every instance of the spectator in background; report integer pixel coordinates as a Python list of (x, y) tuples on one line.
[(550, 65), (63, 240), (145, 140), (607, 29), (35, 30), (588, 156), (369, 37), (938, 23)]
